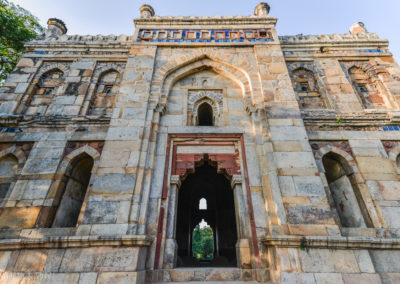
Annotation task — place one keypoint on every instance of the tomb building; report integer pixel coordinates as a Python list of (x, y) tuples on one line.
[(201, 149)]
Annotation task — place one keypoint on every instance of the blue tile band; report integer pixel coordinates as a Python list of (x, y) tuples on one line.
[(212, 35)]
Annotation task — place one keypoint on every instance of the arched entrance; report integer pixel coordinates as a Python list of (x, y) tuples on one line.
[(206, 197)]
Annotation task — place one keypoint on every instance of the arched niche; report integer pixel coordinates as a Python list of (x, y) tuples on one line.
[(76, 181), (306, 87), (221, 93), (103, 98), (43, 92), (367, 87), (345, 192), (70, 188)]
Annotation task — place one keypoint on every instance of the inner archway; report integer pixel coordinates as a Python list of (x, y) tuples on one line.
[(205, 115), (215, 188)]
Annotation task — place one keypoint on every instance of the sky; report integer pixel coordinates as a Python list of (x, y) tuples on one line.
[(294, 16)]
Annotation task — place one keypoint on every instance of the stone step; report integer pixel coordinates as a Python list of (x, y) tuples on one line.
[(211, 275), (213, 282)]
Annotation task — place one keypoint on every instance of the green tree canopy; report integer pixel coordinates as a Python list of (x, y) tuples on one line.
[(17, 26), (203, 243)]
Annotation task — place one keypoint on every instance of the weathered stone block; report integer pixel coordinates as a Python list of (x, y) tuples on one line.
[(295, 160), (117, 183), (386, 260), (109, 229), (31, 261), (121, 278), (18, 217), (36, 189), (123, 134), (361, 278), (328, 261), (303, 278), (308, 186), (390, 190), (310, 215), (391, 216), (101, 213), (374, 165), (328, 278)]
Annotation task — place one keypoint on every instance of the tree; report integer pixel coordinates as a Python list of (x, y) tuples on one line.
[(203, 243), (208, 243), (17, 26)]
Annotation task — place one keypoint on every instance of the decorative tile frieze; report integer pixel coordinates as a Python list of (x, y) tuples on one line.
[(209, 35)]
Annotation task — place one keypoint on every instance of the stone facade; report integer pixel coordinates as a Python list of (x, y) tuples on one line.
[(101, 136)]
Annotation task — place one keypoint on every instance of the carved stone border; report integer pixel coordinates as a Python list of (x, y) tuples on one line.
[(75, 242), (331, 242)]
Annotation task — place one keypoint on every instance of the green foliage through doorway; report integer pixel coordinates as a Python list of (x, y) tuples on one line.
[(203, 243)]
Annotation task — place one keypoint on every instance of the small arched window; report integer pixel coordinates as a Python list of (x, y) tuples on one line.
[(304, 81), (8, 171), (205, 115), (345, 195), (77, 180), (366, 87), (44, 92), (306, 86), (104, 97), (203, 204)]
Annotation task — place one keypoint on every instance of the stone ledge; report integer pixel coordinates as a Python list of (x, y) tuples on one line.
[(75, 242), (205, 20), (331, 242)]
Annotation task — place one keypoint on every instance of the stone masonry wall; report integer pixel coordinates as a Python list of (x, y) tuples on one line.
[(291, 229)]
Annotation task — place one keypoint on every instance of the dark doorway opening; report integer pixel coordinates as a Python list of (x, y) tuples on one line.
[(205, 115), (206, 197)]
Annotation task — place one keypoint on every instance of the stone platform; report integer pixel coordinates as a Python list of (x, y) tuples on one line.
[(209, 275), (213, 282)]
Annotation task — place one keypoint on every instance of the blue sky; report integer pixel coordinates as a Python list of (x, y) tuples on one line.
[(294, 16)]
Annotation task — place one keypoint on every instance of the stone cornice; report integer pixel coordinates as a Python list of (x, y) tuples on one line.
[(205, 21), (75, 242), (53, 121), (306, 242), (99, 40), (333, 40)]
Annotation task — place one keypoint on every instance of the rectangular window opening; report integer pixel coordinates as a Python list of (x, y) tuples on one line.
[(234, 35), (162, 35), (220, 35), (191, 35), (263, 34), (147, 35), (249, 34), (205, 35)]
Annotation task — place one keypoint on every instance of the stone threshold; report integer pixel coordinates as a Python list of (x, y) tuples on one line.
[(331, 242), (208, 274), (76, 242)]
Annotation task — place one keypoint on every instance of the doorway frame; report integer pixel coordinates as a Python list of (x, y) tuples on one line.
[(248, 255)]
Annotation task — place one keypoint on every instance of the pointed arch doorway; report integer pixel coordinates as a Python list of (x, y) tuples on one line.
[(206, 211), (217, 161)]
